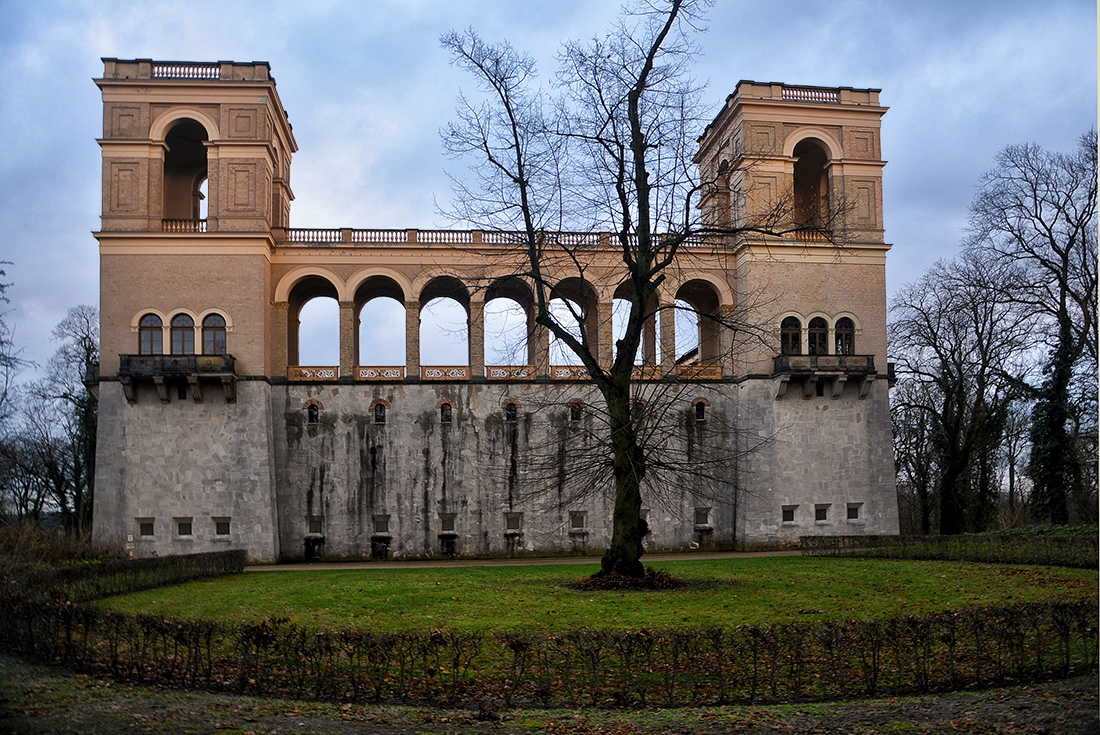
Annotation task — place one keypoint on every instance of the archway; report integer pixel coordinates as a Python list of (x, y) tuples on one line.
[(509, 323), (380, 322), (185, 170), (313, 323), (811, 184), (697, 323), (444, 322)]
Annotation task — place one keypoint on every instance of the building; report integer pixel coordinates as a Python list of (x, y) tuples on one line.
[(212, 435)]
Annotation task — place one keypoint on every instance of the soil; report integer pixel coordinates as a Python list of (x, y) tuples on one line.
[(42, 699)]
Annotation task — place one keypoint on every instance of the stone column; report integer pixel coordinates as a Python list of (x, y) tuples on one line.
[(412, 339), (668, 338), (279, 351), (538, 347), (724, 340), (347, 339), (606, 348), (476, 339)]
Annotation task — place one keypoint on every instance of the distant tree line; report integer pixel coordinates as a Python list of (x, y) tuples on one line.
[(995, 406), (48, 427)]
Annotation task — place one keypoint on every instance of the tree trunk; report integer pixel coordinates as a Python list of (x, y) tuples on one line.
[(624, 554)]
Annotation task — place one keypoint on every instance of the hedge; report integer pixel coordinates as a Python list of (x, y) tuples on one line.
[(682, 667), (1080, 552)]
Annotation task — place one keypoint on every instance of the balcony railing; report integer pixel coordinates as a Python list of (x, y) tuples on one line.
[(346, 237), (185, 70), (510, 372), (313, 374), (824, 363), (389, 372), (183, 225), (811, 94), (148, 366)]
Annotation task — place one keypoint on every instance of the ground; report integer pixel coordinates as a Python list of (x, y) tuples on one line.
[(41, 699)]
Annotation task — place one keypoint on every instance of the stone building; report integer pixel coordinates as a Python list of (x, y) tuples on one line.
[(214, 435)]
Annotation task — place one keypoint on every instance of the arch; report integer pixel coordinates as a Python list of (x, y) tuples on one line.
[(511, 409), (700, 405), (830, 143), (703, 314), (811, 183), (135, 321), (150, 334), (380, 338), (165, 122), (845, 336), (305, 289), (817, 336), (357, 279), (445, 329), (378, 409), (620, 313), (313, 402), (576, 409), (213, 334), (509, 322), (200, 316), (579, 313), (185, 169), (790, 335), (291, 279)]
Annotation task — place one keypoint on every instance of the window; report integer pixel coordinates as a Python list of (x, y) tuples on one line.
[(315, 524), (510, 412), (788, 513), (818, 338), (702, 516), (221, 526), (790, 331), (513, 522), (313, 413), (447, 522), (445, 413), (145, 526), (381, 524), (845, 336), (576, 408), (150, 335), (700, 411), (213, 335), (183, 526), (380, 413), (854, 511), (811, 184), (577, 520), (821, 512), (183, 335)]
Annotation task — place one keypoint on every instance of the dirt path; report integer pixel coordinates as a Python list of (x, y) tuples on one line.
[(512, 562)]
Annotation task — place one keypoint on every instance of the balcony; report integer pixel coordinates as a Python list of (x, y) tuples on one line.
[(164, 370), (819, 374)]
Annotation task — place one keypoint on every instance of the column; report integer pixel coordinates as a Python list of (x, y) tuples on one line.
[(668, 338), (347, 339), (538, 347), (412, 339), (605, 350), (280, 344), (476, 341)]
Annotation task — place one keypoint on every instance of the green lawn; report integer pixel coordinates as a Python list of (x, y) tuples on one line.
[(742, 591)]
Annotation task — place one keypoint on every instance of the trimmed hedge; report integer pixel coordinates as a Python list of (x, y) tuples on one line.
[(84, 582), (685, 667), (1081, 552)]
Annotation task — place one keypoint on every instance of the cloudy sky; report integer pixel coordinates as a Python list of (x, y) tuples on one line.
[(367, 89)]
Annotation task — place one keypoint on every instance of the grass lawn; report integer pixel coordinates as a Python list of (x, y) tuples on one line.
[(740, 591)]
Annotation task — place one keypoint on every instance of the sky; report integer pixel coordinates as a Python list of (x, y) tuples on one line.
[(368, 87)]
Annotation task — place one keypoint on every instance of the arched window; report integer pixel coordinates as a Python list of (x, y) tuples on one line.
[(313, 413), (150, 335), (185, 170), (845, 336), (213, 335), (380, 413), (818, 337), (811, 184), (576, 409), (446, 412), (183, 335), (790, 331), (510, 412), (700, 411)]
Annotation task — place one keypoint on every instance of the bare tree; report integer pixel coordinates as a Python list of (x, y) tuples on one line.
[(1037, 210), (610, 150), (966, 345)]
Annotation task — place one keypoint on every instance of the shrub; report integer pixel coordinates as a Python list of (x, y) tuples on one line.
[(1079, 550)]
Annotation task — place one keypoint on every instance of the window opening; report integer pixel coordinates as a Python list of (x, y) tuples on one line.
[(145, 526), (811, 185), (213, 335), (821, 512), (513, 522), (382, 524), (790, 331), (702, 516), (379, 413), (183, 526), (818, 336), (575, 410), (316, 524), (183, 335), (577, 520), (853, 511), (313, 413), (509, 412), (184, 170), (845, 336), (788, 513), (700, 411), (445, 413), (447, 522), (150, 335), (221, 526)]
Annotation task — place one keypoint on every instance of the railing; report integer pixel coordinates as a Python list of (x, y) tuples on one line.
[(510, 372), (389, 372), (312, 374), (568, 372), (157, 365), (352, 237), (811, 94), (810, 236), (699, 372), (186, 71), (445, 372), (183, 225), (824, 363)]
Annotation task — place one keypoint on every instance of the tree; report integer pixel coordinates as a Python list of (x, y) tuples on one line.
[(1037, 211), (964, 344), (610, 150)]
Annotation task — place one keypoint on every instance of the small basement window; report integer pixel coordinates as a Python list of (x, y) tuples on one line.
[(145, 526), (221, 526), (575, 410), (700, 411), (379, 413), (577, 520), (313, 413), (821, 512), (381, 524), (316, 524), (510, 412), (513, 522), (183, 527), (447, 522), (854, 511), (702, 516), (445, 413), (788, 513)]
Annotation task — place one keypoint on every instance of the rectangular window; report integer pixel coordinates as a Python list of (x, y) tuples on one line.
[(702, 516), (577, 520), (447, 522), (145, 526), (316, 524), (221, 526), (821, 512), (183, 526), (381, 524), (854, 511), (788, 513), (513, 522)]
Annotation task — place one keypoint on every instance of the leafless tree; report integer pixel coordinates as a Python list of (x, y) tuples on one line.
[(608, 149)]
